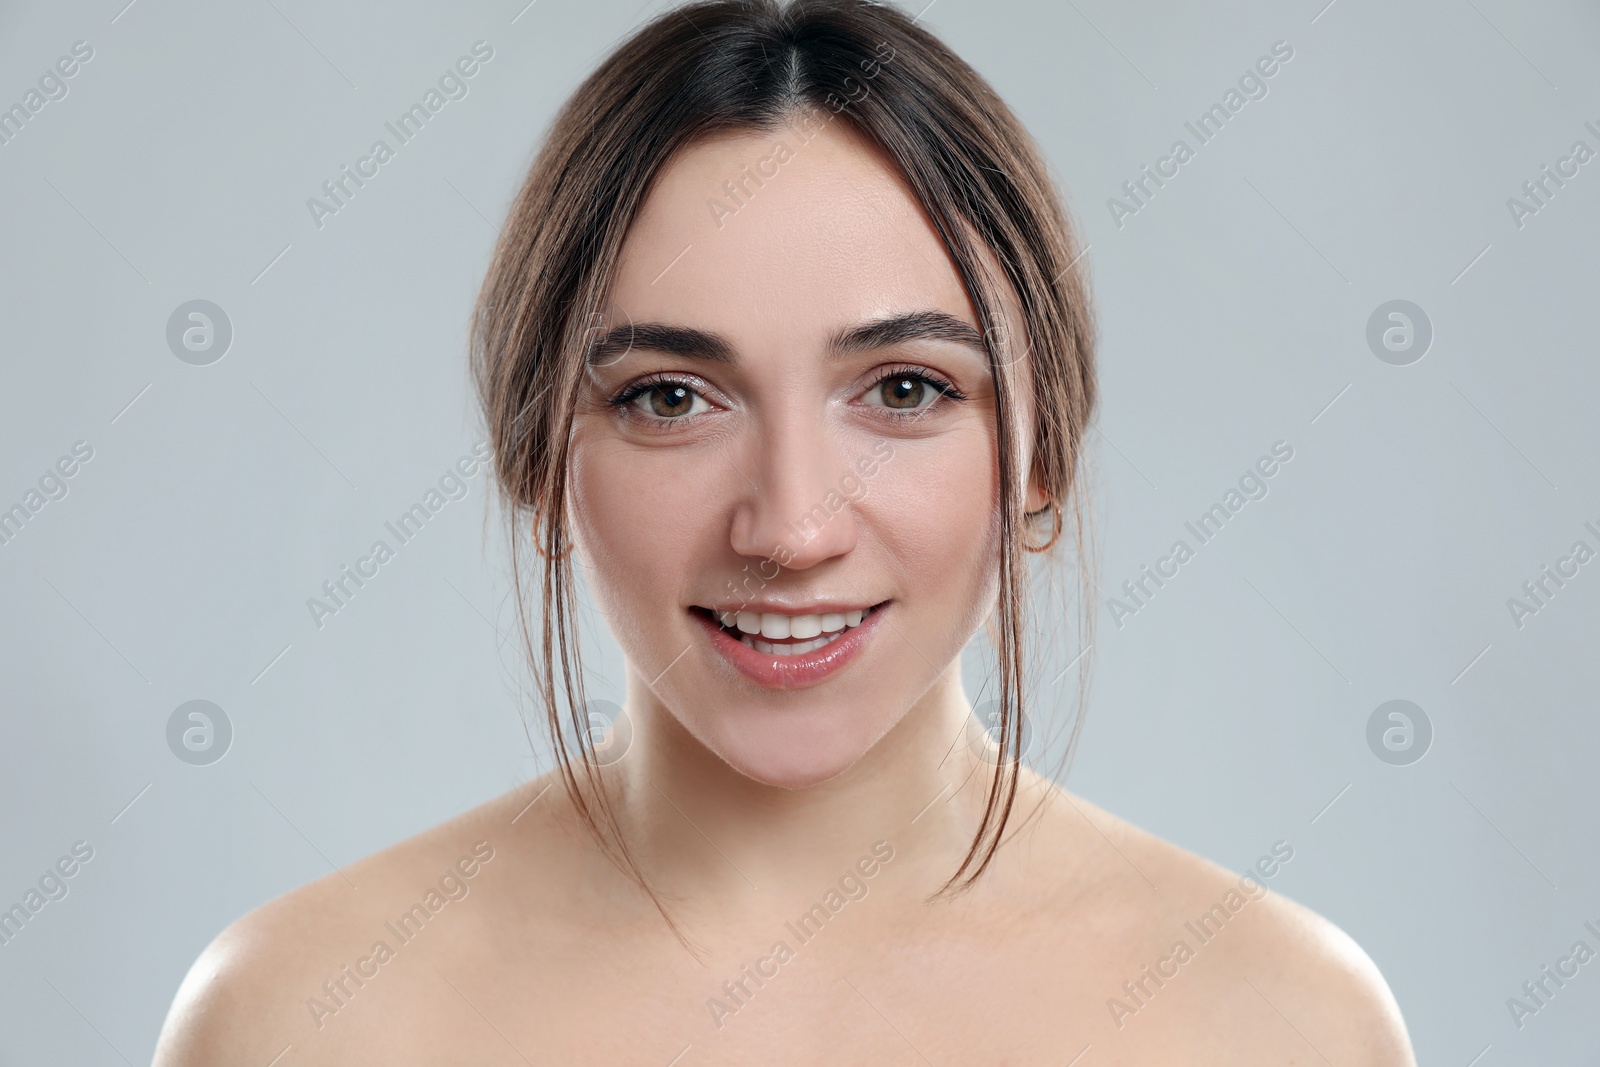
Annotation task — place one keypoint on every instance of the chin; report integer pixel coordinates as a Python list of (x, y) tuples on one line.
[(791, 755)]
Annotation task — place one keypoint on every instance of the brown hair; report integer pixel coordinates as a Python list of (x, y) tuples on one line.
[(749, 66)]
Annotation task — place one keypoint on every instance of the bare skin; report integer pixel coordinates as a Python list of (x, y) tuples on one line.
[(750, 809), (553, 958)]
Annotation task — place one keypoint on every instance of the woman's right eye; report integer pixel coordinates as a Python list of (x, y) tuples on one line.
[(661, 400)]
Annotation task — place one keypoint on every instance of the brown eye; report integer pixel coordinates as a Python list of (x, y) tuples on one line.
[(661, 400), (671, 400), (912, 392), (903, 392)]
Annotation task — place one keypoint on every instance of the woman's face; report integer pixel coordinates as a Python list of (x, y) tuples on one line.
[(790, 423)]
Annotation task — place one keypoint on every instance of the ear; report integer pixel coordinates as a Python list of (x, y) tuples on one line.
[(1036, 497)]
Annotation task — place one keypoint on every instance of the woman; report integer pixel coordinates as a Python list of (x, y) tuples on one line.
[(786, 348)]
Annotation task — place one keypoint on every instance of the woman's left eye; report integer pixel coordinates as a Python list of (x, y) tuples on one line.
[(911, 391)]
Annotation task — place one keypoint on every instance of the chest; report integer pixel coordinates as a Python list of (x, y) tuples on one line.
[(792, 995), (796, 995)]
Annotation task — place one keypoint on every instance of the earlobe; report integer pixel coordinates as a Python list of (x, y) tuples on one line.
[(1052, 514), (1041, 509), (1035, 498)]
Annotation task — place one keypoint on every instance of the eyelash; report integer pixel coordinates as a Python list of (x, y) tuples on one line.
[(940, 385), (625, 399)]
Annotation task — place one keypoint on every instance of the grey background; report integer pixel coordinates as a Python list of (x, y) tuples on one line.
[(1226, 715)]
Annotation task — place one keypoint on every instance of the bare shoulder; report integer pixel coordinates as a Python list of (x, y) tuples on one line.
[(340, 963), (1218, 950)]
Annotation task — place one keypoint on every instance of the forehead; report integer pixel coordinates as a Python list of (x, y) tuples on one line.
[(793, 233)]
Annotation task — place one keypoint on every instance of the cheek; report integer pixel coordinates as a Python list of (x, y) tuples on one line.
[(935, 506), (639, 517), (941, 494)]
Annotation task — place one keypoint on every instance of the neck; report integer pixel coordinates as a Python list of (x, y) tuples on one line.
[(716, 840)]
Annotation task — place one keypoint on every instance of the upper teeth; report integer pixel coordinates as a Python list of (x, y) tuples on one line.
[(800, 627)]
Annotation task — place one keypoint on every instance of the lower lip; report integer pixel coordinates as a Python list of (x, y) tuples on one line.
[(792, 672)]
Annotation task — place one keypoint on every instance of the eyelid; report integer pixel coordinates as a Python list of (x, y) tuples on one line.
[(624, 398), (664, 377), (945, 391), (944, 388)]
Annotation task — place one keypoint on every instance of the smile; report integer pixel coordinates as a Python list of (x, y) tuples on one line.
[(789, 635), (786, 651)]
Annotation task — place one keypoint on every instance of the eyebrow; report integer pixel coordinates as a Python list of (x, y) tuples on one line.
[(704, 345)]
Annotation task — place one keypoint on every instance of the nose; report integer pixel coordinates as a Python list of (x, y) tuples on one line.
[(799, 512)]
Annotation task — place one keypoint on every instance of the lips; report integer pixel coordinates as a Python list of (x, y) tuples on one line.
[(789, 651)]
